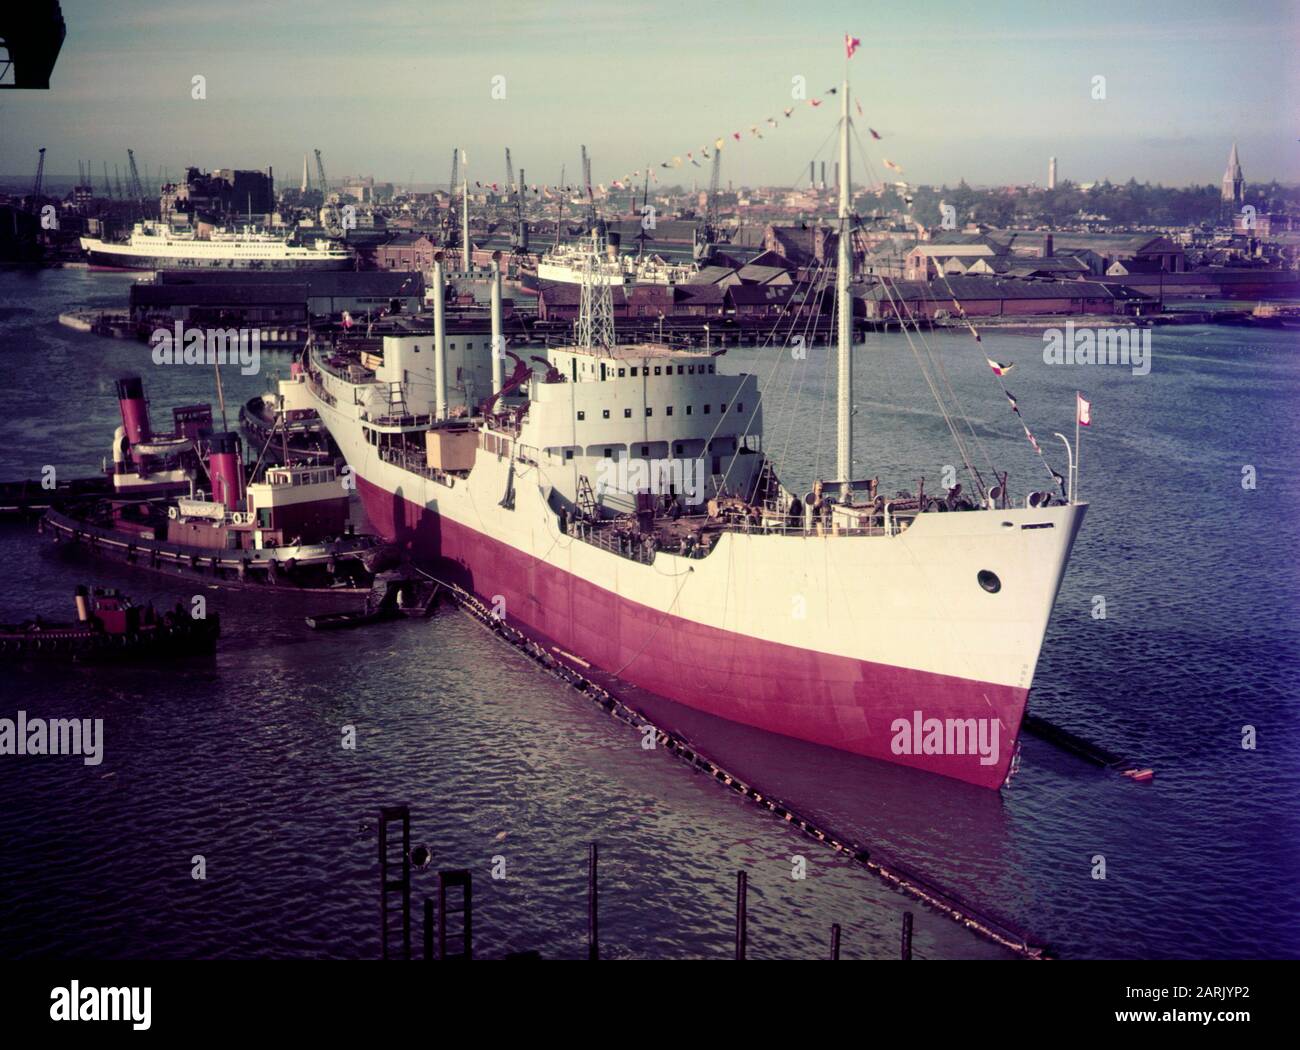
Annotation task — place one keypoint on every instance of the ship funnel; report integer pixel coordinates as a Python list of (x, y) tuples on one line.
[(135, 410), (83, 603), (226, 470)]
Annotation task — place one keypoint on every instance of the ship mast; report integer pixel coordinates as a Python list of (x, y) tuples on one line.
[(844, 307)]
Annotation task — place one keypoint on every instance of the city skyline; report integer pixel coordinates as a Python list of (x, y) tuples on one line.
[(379, 91)]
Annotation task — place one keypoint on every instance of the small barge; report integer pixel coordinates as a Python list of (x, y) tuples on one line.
[(109, 628), (402, 599)]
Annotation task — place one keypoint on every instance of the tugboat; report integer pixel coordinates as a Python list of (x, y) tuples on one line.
[(289, 529), (109, 628), (284, 423)]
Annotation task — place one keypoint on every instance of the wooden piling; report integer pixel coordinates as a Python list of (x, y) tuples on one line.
[(835, 941), (593, 942), (389, 886), (742, 931), (446, 880), (907, 935)]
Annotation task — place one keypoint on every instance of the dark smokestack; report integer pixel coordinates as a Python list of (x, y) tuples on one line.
[(226, 469), (135, 411), (823, 174)]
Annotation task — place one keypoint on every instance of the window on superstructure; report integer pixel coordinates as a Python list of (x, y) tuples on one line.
[(706, 409), (634, 373), (710, 369), (649, 411), (722, 410), (740, 407), (645, 450), (604, 412), (627, 413), (677, 450), (669, 410), (656, 370), (453, 346), (581, 415), (609, 453), (568, 453), (690, 370), (622, 373)]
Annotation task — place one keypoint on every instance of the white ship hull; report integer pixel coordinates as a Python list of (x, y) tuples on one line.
[(832, 639)]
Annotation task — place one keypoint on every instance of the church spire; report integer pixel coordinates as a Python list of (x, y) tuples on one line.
[(1234, 183)]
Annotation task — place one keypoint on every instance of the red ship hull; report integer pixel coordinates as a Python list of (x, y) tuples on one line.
[(840, 702)]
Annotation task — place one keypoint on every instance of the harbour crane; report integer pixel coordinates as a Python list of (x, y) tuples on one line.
[(134, 187), (35, 199), (329, 213), (708, 234), (108, 186), (515, 199)]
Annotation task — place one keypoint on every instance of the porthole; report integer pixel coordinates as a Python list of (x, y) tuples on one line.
[(989, 581)]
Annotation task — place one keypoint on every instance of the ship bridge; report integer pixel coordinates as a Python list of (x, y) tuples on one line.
[(619, 415)]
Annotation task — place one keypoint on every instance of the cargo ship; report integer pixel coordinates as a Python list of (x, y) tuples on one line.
[(617, 505), (186, 503), (160, 246)]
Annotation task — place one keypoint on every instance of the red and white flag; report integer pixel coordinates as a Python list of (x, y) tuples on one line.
[(998, 369), (1084, 416), (850, 45)]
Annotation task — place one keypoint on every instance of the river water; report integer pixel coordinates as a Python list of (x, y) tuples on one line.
[(507, 770)]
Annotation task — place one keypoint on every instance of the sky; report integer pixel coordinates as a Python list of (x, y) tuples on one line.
[(983, 91)]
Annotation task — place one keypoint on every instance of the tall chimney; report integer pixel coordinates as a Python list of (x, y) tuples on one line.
[(498, 328), (823, 174), (439, 341), (1048, 247), (812, 174)]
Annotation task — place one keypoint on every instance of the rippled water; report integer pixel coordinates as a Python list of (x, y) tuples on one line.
[(240, 760)]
